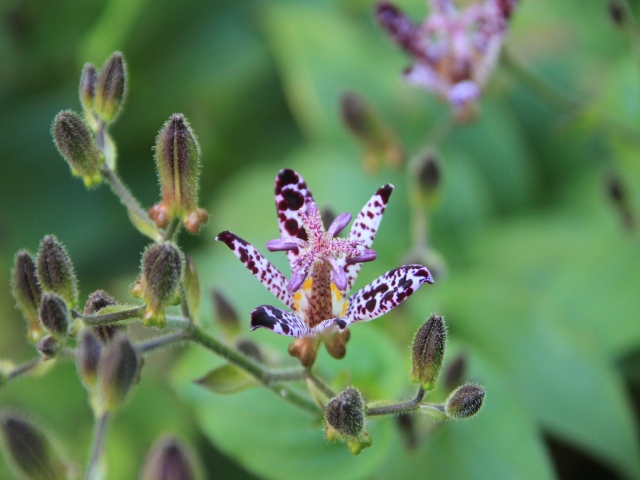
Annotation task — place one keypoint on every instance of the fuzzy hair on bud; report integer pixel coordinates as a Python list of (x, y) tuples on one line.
[(48, 346), (28, 449), (465, 401), (55, 270), (87, 89), (159, 283), (111, 87), (428, 352), (169, 459), (54, 315), (27, 292), (96, 302), (88, 356), (76, 144), (345, 413), (117, 370), (178, 164)]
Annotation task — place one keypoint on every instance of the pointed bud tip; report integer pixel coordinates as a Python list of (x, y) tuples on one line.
[(465, 402), (76, 144), (169, 459), (428, 352), (54, 315), (117, 370), (88, 356), (162, 271), (88, 81), (111, 87), (25, 286), (55, 270)]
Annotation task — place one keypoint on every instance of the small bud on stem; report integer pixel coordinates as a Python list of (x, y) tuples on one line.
[(87, 357), (345, 413), (87, 88), (168, 460), (55, 270), (48, 346), (111, 87), (465, 401), (96, 302), (428, 352), (26, 292), (117, 370), (54, 315)]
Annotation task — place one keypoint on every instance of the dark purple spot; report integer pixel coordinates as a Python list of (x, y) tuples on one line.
[(285, 329), (227, 237), (293, 199), (385, 192), (285, 177), (370, 214), (370, 305), (261, 318), (302, 235), (244, 258), (341, 323), (291, 226)]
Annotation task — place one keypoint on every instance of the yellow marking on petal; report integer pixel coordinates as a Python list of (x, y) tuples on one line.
[(344, 309), (308, 283), (336, 292)]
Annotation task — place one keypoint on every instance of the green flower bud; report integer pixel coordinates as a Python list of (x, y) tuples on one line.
[(48, 346), (465, 401), (76, 144), (117, 370), (87, 88), (26, 292), (159, 281), (28, 449), (345, 414), (111, 87), (96, 302), (55, 270), (87, 357), (178, 164), (54, 315), (168, 459), (428, 352), (225, 314)]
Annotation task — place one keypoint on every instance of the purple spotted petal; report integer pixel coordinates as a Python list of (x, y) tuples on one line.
[(386, 292), (291, 194), (328, 326), (364, 230), (261, 268), (280, 321)]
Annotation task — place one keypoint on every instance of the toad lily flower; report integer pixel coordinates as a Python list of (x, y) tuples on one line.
[(455, 51), (324, 269)]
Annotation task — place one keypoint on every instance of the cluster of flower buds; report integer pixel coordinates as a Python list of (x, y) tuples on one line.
[(178, 164), (107, 371), (378, 140), (83, 142), (29, 450), (455, 50), (159, 281), (344, 418), (45, 289)]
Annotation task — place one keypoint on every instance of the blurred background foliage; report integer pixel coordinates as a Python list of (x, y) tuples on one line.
[(541, 289)]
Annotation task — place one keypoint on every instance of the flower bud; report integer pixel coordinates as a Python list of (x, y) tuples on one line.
[(168, 460), (178, 164), (55, 270), (617, 12), (304, 349), (428, 352), (336, 344), (76, 144), (87, 357), (159, 281), (250, 349), (54, 315), (345, 413), (87, 88), (28, 449), (110, 87), (117, 370), (225, 314), (26, 292), (368, 127), (48, 346), (465, 401), (427, 175), (96, 302)]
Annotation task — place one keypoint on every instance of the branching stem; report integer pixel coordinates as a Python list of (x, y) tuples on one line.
[(397, 408)]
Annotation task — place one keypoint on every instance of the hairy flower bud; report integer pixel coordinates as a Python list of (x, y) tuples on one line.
[(28, 449), (178, 164), (96, 302), (110, 87), (76, 144), (428, 352), (48, 346), (366, 125), (465, 401), (55, 270), (54, 315), (168, 459), (117, 370), (345, 413), (87, 88), (26, 292), (159, 281), (87, 357)]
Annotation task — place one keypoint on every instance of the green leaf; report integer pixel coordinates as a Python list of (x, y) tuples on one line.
[(226, 379)]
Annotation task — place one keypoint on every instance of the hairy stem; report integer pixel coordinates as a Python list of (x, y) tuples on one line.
[(323, 387), (97, 447), (161, 341), (394, 409), (172, 230), (108, 318)]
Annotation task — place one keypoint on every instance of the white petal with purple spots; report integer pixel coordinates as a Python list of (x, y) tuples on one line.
[(386, 292), (279, 321), (261, 268)]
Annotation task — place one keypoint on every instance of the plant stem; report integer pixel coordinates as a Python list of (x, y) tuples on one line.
[(254, 369), (161, 341), (404, 407), (172, 230), (24, 368), (97, 447), (323, 387), (108, 318)]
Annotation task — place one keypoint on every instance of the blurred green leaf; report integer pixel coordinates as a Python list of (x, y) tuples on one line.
[(226, 379)]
